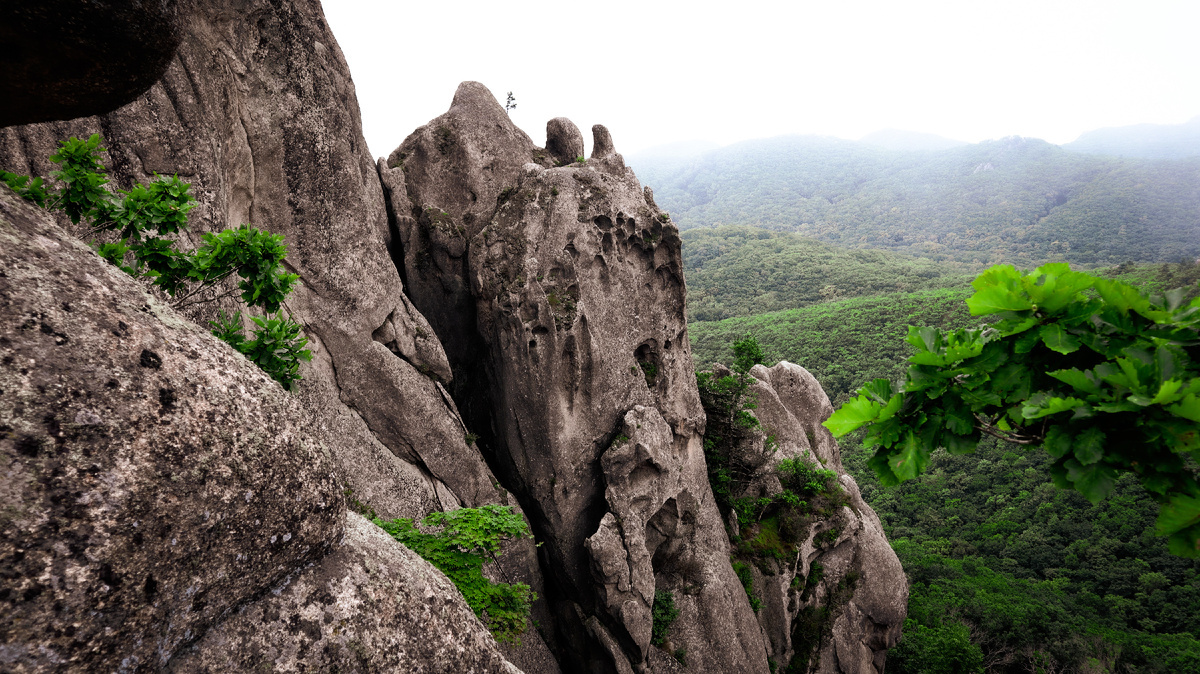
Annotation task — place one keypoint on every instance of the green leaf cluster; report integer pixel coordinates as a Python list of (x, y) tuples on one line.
[(277, 347), (458, 543), (1101, 375), (32, 190), (142, 218)]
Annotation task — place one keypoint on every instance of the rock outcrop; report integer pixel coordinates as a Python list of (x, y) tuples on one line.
[(559, 294), (160, 490), (370, 605), (257, 112), (840, 603), (65, 59)]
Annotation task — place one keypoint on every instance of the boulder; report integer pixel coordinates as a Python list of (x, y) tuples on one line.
[(64, 59), (564, 142), (370, 605), (166, 504)]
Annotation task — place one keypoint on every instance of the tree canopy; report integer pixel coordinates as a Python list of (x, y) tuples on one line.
[(1102, 375)]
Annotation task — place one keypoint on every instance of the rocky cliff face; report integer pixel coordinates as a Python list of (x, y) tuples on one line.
[(166, 505), (555, 285), (555, 304), (257, 111)]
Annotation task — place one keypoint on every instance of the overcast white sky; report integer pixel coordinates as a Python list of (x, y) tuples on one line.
[(660, 72)]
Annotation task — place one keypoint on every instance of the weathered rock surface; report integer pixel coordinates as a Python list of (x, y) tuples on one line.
[(258, 112), (370, 605), (156, 483), (65, 59), (845, 622), (556, 325), (558, 293), (564, 142)]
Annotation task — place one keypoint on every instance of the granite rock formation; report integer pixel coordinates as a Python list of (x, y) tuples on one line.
[(370, 605), (843, 621), (472, 283), (65, 59), (160, 490), (558, 292)]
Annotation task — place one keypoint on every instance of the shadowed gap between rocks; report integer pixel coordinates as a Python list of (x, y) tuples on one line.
[(395, 247)]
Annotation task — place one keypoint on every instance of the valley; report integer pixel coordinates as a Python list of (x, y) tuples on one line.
[(1007, 572)]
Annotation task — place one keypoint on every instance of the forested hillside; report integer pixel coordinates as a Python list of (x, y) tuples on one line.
[(1008, 573), (1016, 200), (741, 271)]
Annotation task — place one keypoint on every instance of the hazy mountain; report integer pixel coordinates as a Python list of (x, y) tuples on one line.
[(909, 141), (1016, 200), (1149, 141)]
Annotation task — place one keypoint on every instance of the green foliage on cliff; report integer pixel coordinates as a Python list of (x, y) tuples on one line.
[(460, 543), (1015, 200), (727, 401), (139, 221), (662, 614)]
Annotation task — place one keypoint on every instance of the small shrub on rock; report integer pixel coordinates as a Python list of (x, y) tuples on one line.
[(460, 543), (142, 219)]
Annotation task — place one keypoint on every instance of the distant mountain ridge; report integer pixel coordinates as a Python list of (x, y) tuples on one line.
[(1147, 141), (1017, 200)]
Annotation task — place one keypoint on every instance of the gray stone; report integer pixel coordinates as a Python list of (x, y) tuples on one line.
[(258, 113), (64, 59), (794, 402), (564, 141), (370, 605), (154, 478), (602, 143), (277, 142)]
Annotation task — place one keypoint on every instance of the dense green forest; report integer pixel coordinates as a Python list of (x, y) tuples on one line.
[(742, 271), (1016, 200), (845, 343), (1008, 573)]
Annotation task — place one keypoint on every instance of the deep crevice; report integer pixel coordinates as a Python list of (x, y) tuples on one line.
[(394, 248)]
